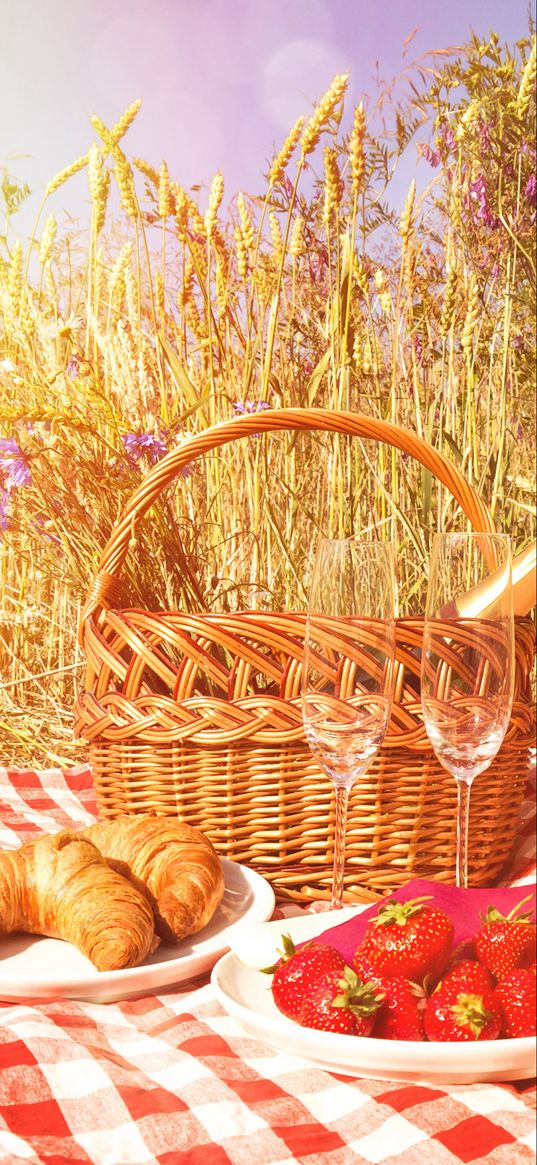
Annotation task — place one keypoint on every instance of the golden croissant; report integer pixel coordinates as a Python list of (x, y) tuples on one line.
[(175, 863), (61, 886)]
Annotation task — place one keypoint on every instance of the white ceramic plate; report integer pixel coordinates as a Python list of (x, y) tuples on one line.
[(245, 993), (46, 968)]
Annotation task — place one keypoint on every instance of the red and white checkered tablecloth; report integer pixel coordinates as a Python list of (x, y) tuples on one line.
[(171, 1079)]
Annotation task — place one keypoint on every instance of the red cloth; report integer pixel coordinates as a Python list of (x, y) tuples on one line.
[(171, 1080), (463, 907)]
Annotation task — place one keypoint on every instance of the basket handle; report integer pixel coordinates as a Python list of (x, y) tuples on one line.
[(106, 584)]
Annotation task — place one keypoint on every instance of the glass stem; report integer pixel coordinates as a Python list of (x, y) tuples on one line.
[(463, 817), (342, 800)]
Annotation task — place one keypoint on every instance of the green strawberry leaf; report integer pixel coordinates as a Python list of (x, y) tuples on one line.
[(397, 913)]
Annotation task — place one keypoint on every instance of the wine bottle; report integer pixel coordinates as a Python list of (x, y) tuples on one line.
[(480, 599)]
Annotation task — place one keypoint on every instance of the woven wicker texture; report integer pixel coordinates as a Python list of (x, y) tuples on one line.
[(200, 715)]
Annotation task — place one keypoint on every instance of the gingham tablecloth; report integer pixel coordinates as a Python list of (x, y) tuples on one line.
[(171, 1079)]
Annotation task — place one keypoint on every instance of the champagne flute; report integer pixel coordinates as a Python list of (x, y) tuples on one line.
[(348, 671), (467, 671)]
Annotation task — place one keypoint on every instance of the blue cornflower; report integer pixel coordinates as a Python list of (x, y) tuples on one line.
[(250, 406), (13, 464), (139, 444)]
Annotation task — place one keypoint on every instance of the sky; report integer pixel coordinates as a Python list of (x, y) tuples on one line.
[(221, 81)]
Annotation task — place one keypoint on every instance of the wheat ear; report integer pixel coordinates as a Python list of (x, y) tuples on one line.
[(282, 159), (63, 175), (356, 149), (527, 83), (322, 114)]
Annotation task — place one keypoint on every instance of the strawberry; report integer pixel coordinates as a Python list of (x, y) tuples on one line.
[(343, 1004), (516, 997), (314, 986), (294, 969), (452, 1014), (505, 942), (468, 975), (408, 939), (400, 1016)]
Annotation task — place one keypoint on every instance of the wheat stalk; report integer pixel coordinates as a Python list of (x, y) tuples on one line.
[(356, 150), (527, 83), (147, 170), (48, 236), (406, 222), (65, 174), (448, 306), (384, 293), (164, 192), (216, 194), (116, 281), (125, 121), (297, 244), (472, 315), (333, 186), (241, 252), (276, 235), (126, 187), (324, 111), (282, 159), (14, 276), (181, 213)]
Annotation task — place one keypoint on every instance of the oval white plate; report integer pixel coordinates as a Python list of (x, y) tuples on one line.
[(246, 994), (46, 968)]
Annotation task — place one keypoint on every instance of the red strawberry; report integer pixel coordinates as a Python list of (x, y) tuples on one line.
[(504, 943), (408, 939), (314, 986), (468, 975), (452, 1014), (298, 967), (400, 1016), (516, 996), (343, 1004)]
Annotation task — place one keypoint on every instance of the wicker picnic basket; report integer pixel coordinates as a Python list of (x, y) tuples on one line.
[(218, 738)]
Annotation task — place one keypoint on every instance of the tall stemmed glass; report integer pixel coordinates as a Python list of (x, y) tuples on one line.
[(349, 654), (467, 661)]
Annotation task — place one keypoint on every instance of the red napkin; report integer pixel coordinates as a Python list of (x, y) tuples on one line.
[(464, 907)]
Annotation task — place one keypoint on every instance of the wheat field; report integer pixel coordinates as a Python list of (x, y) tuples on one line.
[(167, 315)]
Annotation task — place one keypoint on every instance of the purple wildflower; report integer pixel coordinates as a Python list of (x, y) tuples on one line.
[(477, 190), (430, 155), (517, 428), (13, 464), (73, 368), (250, 406), (448, 136), (478, 202), (138, 445), (484, 135), (418, 348), (531, 188)]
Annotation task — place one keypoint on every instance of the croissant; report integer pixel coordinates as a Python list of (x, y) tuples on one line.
[(61, 886), (176, 864)]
